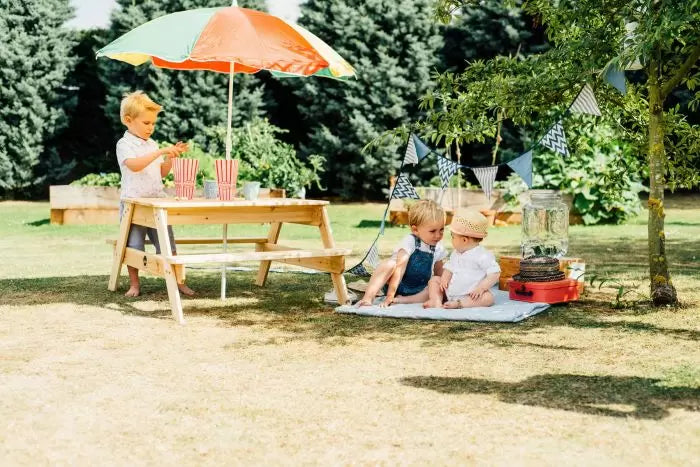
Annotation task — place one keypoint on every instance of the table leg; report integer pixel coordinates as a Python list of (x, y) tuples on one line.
[(120, 247), (341, 290), (161, 219), (272, 237)]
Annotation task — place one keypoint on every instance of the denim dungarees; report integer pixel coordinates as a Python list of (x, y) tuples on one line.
[(418, 272)]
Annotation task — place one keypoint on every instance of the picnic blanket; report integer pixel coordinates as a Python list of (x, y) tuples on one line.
[(503, 310)]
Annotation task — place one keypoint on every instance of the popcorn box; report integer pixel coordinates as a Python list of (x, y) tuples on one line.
[(226, 177)]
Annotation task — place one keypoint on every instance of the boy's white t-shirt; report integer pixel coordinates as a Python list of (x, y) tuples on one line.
[(148, 183), (408, 243), (468, 269)]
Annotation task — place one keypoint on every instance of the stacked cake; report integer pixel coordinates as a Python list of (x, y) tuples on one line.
[(539, 269)]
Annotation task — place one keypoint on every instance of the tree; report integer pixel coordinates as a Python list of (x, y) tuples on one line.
[(393, 45), (590, 38), (92, 150), (193, 101), (34, 62)]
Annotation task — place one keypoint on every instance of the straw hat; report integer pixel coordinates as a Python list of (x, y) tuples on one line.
[(469, 223)]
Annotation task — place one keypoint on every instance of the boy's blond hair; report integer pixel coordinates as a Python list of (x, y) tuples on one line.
[(136, 102), (425, 211)]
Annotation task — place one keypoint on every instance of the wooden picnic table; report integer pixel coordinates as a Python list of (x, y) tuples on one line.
[(158, 213)]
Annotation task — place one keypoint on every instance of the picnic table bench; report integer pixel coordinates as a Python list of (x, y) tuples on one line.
[(158, 213)]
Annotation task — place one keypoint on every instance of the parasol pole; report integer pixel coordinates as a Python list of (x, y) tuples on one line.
[(228, 157)]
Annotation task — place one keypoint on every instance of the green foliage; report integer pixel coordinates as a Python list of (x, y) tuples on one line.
[(192, 101), (603, 174), (266, 159), (86, 145), (394, 45), (35, 59), (99, 179)]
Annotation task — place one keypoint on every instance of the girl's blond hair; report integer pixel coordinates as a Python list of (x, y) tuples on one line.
[(136, 102), (425, 211)]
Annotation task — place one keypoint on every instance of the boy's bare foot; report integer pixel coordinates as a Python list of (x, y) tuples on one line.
[(453, 304), (133, 292), (186, 290), (432, 304)]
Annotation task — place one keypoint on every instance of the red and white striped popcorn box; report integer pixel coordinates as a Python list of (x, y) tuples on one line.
[(185, 172), (226, 177)]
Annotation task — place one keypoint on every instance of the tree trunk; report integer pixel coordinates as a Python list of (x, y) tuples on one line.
[(662, 291)]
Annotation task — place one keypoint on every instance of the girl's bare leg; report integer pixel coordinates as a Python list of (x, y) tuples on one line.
[(134, 284), (420, 297), (380, 276)]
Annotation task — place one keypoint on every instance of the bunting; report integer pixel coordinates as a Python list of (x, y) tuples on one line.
[(486, 177), (447, 169), (422, 150), (616, 78), (411, 156), (522, 165), (416, 151), (359, 270), (404, 189), (555, 139), (585, 102), (372, 257)]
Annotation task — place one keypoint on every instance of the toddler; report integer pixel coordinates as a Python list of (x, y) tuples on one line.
[(416, 259), (471, 270), (143, 166)]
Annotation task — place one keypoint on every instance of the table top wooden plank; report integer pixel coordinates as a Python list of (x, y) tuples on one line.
[(166, 203)]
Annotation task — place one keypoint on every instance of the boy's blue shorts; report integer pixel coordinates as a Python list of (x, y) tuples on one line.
[(137, 235)]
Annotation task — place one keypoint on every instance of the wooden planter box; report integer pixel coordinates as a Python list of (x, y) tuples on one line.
[(74, 204)]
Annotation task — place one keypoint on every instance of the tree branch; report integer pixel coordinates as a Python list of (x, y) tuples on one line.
[(681, 72)]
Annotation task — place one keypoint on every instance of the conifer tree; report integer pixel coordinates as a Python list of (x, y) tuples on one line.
[(393, 44), (193, 101), (34, 62)]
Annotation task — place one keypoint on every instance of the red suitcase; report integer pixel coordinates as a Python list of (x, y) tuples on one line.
[(565, 290)]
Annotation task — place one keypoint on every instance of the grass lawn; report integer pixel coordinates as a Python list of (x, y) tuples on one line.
[(273, 375)]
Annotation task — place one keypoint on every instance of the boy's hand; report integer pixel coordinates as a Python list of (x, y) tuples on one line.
[(444, 283), (476, 293), (176, 150)]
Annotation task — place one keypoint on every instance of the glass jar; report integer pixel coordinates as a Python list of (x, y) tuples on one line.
[(545, 225)]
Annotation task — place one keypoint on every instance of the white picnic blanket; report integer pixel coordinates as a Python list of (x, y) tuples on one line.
[(503, 310)]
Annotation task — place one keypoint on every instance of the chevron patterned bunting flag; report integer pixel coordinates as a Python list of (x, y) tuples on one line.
[(404, 189), (556, 140), (447, 169), (486, 177), (585, 103), (359, 270), (372, 257), (616, 78), (523, 166), (411, 157)]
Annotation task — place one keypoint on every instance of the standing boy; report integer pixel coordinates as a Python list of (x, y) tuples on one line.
[(143, 166)]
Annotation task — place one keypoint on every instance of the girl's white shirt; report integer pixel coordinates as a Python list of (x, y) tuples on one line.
[(468, 269)]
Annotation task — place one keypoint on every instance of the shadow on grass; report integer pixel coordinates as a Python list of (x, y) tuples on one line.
[(595, 395), (368, 224), (39, 223), (292, 303)]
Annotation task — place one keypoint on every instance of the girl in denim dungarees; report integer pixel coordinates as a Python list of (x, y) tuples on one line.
[(405, 276)]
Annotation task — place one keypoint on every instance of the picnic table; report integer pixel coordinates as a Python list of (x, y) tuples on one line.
[(158, 213)]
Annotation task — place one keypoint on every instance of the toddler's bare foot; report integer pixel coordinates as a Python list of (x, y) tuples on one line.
[(432, 304), (133, 292), (186, 290), (453, 304), (363, 302)]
